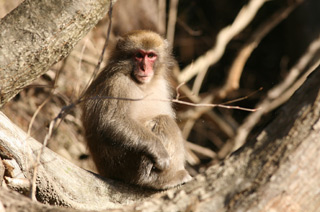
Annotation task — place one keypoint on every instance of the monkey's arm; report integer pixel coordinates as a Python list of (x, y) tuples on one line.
[(133, 136)]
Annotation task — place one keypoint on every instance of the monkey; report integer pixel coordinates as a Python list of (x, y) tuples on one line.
[(130, 129)]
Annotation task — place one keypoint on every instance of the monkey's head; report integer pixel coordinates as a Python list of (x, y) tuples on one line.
[(147, 52)]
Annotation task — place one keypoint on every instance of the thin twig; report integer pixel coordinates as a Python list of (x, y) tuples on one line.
[(173, 101), (232, 82), (193, 114), (97, 68), (201, 65), (36, 113), (177, 89), (213, 105), (54, 84), (37, 163), (242, 98)]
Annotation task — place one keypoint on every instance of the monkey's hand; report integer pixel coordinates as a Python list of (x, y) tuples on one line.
[(160, 157)]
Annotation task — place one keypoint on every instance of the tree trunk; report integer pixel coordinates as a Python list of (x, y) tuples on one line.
[(38, 34)]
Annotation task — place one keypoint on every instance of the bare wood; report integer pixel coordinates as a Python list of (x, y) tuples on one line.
[(38, 34)]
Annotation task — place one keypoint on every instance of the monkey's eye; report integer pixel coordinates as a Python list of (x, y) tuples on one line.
[(139, 55), (152, 55)]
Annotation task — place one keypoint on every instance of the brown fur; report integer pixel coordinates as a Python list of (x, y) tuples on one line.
[(135, 141)]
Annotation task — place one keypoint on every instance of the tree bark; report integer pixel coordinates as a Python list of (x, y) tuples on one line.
[(278, 171), (38, 34), (11, 201)]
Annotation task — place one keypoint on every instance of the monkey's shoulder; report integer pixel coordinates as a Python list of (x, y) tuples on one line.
[(118, 83)]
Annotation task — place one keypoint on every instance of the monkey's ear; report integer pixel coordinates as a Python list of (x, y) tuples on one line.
[(120, 43)]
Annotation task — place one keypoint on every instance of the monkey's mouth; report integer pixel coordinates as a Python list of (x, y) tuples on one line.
[(143, 77)]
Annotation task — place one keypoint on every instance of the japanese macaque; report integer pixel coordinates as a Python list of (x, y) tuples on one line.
[(130, 128)]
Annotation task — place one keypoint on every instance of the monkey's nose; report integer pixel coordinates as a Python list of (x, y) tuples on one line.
[(142, 66)]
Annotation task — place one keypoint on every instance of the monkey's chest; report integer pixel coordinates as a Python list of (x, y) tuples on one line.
[(150, 107)]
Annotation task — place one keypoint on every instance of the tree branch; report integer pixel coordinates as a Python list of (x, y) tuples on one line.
[(60, 182), (38, 34)]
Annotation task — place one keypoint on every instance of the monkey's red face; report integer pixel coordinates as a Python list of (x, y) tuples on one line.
[(145, 60)]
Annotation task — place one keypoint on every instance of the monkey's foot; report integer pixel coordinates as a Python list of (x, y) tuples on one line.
[(179, 178)]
